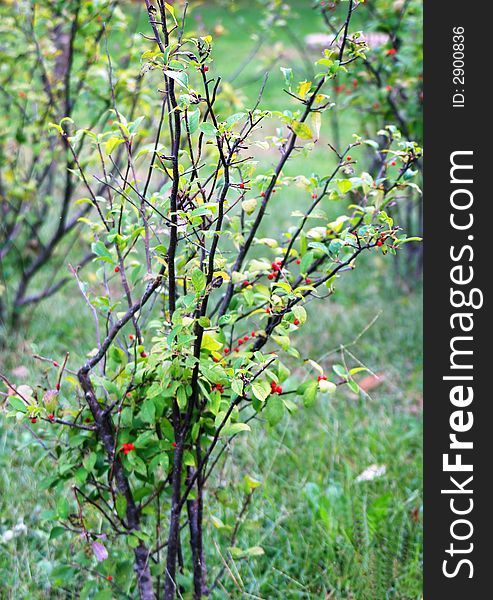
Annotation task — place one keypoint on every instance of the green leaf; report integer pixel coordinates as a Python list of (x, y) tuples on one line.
[(310, 394), (148, 411), (193, 120), (208, 129), (56, 532), (344, 185), (261, 390), (17, 404), (121, 506), (235, 428), (179, 76), (63, 508), (89, 461), (161, 460), (137, 463), (111, 144), (237, 387), (353, 386), (101, 251), (230, 121), (288, 76), (306, 262), (249, 206), (216, 375), (341, 371), (274, 411), (181, 397), (302, 130), (255, 551), (198, 280)]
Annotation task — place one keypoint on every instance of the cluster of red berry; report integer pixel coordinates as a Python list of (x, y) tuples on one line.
[(274, 388), (381, 239), (276, 267), (322, 378), (240, 342), (218, 387), (126, 448)]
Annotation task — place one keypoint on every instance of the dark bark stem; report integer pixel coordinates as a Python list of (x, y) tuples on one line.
[(105, 433)]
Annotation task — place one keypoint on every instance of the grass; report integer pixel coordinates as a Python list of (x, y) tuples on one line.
[(324, 534)]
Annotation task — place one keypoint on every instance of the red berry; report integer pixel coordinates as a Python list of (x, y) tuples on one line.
[(253, 334), (143, 354), (349, 158), (33, 420), (271, 276), (263, 194), (355, 83), (55, 364), (174, 444), (268, 310), (109, 578), (242, 186), (274, 191), (393, 163), (275, 266), (322, 378), (391, 52), (51, 418), (388, 88), (246, 283), (117, 269), (215, 359), (246, 338), (57, 387), (240, 342), (126, 448), (308, 280), (206, 68), (237, 349), (379, 243), (227, 350), (296, 321), (130, 337), (278, 389), (298, 261)]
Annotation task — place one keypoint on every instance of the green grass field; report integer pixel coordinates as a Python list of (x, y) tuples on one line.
[(325, 534)]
